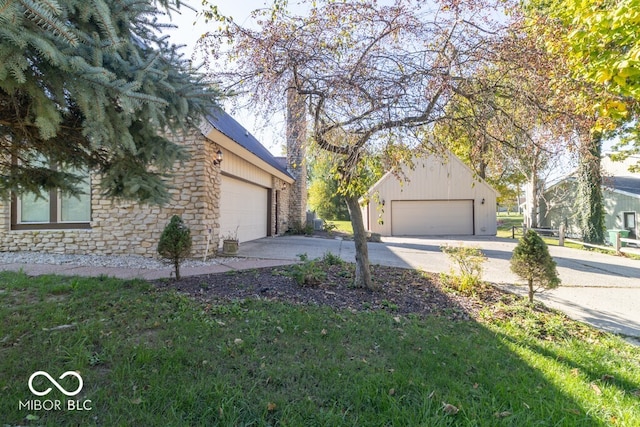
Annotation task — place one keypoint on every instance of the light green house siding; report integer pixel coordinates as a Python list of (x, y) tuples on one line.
[(558, 207)]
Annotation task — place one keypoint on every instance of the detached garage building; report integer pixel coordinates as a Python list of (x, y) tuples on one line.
[(439, 197)]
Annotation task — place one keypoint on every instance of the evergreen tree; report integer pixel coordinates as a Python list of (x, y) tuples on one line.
[(175, 243), (93, 85), (532, 262)]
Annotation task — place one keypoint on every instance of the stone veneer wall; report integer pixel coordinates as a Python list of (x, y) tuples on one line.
[(280, 210), (122, 228)]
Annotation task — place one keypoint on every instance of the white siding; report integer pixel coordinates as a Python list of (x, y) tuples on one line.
[(433, 178), (234, 165)]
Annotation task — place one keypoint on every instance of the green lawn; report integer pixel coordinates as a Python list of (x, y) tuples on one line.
[(156, 358), (507, 222), (342, 226)]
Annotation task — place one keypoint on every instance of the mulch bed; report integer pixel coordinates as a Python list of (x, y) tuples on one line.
[(403, 291)]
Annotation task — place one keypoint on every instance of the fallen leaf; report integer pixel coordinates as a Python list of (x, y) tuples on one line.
[(238, 341), (279, 329), (397, 319), (136, 401), (596, 389), (449, 409), (476, 385), (271, 406), (392, 392), (502, 414), (323, 332), (575, 372)]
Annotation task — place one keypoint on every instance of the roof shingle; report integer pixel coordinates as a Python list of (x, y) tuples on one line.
[(226, 124)]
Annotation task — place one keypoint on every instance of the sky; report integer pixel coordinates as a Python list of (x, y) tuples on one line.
[(186, 33)]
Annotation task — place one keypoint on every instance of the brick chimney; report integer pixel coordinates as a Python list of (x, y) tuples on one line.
[(296, 162)]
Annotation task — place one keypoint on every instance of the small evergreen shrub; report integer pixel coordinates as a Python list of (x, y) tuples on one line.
[(469, 262), (175, 243), (532, 262)]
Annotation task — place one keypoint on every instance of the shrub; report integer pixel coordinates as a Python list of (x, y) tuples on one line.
[(329, 227), (175, 243), (469, 262), (532, 262), (331, 259), (308, 272), (299, 228)]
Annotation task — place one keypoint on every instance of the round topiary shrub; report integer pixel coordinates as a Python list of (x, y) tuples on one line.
[(532, 262)]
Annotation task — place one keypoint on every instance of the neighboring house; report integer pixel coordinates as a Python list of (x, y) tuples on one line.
[(621, 194), (247, 191), (440, 196)]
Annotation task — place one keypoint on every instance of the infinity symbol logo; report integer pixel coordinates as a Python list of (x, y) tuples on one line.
[(55, 383)]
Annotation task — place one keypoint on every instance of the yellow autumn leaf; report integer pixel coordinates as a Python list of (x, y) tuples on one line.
[(616, 105), (603, 76)]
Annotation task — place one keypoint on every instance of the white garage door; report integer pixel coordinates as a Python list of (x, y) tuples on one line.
[(431, 217), (243, 205)]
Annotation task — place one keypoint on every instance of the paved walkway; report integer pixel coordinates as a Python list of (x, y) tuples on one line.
[(599, 289)]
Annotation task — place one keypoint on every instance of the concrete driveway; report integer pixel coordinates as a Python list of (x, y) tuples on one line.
[(600, 289)]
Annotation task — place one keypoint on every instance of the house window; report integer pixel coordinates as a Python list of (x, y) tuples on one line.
[(629, 220), (53, 210)]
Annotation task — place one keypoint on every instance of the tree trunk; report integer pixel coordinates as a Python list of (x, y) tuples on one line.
[(176, 266), (531, 201), (590, 199), (531, 291), (363, 269)]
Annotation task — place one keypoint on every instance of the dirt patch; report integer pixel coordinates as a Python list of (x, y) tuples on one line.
[(402, 291)]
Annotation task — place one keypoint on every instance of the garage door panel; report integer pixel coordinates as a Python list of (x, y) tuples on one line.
[(243, 206), (431, 217)]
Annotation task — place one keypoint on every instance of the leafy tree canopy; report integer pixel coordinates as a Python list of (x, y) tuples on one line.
[(599, 40), (92, 85), (374, 75)]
